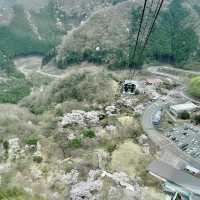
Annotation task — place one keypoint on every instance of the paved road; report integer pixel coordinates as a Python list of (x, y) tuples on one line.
[(183, 90), (160, 140), (147, 123), (156, 136), (156, 70)]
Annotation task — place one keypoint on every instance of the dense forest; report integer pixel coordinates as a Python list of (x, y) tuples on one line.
[(174, 40)]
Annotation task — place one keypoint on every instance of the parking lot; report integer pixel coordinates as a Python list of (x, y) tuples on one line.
[(187, 138)]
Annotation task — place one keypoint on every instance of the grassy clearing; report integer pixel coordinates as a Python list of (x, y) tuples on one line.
[(127, 158), (130, 158)]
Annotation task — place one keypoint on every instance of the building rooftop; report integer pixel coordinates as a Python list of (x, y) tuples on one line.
[(182, 107), (181, 178)]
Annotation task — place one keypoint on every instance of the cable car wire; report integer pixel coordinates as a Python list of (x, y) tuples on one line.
[(140, 27), (152, 27)]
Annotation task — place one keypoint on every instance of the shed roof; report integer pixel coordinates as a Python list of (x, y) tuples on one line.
[(182, 107)]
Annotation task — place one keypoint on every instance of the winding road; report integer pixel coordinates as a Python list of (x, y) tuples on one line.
[(156, 136), (157, 70)]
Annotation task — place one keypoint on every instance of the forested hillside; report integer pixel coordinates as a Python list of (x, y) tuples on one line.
[(174, 41), (36, 27)]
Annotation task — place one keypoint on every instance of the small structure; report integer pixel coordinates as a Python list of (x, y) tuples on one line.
[(180, 108), (129, 87)]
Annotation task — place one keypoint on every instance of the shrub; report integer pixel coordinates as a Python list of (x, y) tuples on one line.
[(89, 133), (111, 147), (82, 88), (75, 143), (31, 140), (14, 90), (8, 193), (193, 87), (185, 115), (114, 2), (137, 92), (6, 145), (37, 159), (197, 119)]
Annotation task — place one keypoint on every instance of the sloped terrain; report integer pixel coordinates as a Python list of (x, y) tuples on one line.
[(107, 29), (35, 27), (107, 32)]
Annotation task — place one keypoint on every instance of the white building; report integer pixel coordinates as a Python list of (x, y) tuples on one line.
[(178, 109)]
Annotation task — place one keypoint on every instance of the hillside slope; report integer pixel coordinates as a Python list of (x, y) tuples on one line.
[(36, 26), (108, 32)]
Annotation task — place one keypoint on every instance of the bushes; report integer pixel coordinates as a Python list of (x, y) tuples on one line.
[(82, 87), (14, 90), (184, 115), (197, 119), (31, 139), (6, 145), (114, 2), (75, 143), (47, 58), (115, 58), (89, 133), (194, 87), (71, 57), (7, 193), (90, 55), (37, 159), (111, 148)]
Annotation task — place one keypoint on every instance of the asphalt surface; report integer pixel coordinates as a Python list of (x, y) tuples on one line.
[(158, 138), (147, 122)]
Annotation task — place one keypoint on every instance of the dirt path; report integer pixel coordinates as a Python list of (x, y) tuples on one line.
[(31, 64)]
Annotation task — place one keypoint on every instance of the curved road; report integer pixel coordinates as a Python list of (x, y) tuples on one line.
[(155, 135), (159, 139), (156, 71)]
